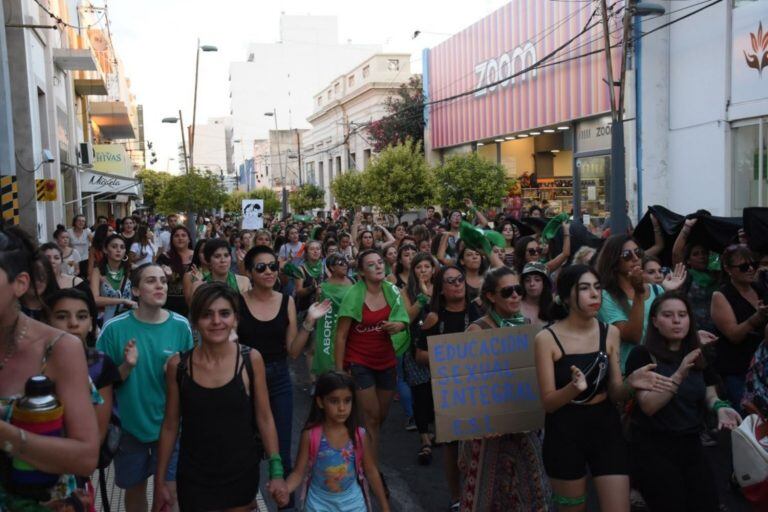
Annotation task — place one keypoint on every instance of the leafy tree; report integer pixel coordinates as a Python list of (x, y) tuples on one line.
[(307, 197), (349, 190), (399, 179), (404, 119), (470, 176), (233, 202), (153, 184), (197, 191)]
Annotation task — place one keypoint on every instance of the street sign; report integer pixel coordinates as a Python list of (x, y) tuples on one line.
[(252, 211)]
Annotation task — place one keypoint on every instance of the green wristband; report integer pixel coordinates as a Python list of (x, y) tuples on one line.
[(721, 404), (275, 467)]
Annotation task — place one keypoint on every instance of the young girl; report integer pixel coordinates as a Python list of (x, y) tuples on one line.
[(331, 447)]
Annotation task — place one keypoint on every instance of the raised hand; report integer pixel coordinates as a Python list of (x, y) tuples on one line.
[(578, 380), (318, 310), (676, 278), (196, 274)]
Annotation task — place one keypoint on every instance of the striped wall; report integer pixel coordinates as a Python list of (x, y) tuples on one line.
[(557, 93)]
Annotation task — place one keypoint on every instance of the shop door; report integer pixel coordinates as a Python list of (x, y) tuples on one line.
[(594, 175)]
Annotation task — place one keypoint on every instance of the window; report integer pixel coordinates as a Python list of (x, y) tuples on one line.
[(351, 80), (393, 65), (330, 94), (336, 88), (319, 101), (366, 158), (750, 165), (366, 71)]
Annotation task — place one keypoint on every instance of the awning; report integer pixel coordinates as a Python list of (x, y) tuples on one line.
[(106, 184), (91, 86), (72, 59), (113, 119)]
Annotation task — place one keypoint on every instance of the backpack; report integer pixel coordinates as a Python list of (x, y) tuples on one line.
[(749, 446), (315, 433)]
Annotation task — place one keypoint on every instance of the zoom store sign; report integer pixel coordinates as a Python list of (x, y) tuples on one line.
[(504, 67)]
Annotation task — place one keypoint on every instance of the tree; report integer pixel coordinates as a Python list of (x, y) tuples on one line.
[(307, 197), (349, 190), (197, 191), (404, 119), (153, 184), (470, 176), (234, 201), (399, 179)]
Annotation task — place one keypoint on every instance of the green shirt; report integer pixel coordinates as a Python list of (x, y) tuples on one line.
[(611, 312), (141, 398)]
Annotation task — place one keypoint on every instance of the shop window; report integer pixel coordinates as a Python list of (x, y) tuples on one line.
[(750, 165)]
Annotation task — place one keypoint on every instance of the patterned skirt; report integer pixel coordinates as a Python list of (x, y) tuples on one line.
[(504, 474)]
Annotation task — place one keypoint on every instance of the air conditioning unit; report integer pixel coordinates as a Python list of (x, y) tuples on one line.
[(87, 154)]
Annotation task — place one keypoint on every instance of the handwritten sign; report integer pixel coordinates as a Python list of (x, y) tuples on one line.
[(484, 383), (253, 214)]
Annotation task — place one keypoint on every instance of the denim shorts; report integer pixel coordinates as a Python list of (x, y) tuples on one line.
[(136, 461), (385, 380)]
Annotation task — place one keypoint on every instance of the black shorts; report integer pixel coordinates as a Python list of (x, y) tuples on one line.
[(364, 377), (577, 437)]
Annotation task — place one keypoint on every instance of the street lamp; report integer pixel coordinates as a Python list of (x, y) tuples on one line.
[(205, 48), (618, 189), (180, 120), (284, 192)]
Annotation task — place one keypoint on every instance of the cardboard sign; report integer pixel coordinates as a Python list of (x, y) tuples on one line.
[(484, 383), (253, 214)]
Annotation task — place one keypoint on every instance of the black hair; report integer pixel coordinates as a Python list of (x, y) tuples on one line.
[(197, 258), (76, 294), (206, 294), (608, 268), (689, 249), (77, 216), (413, 287), (174, 258), (50, 246), (100, 235), (59, 230), (491, 282), (16, 250), (362, 254), (648, 258), (125, 263), (730, 254), (399, 266), (326, 384), (255, 251), (566, 281), (521, 245), (137, 272), (212, 245), (483, 260), (655, 342), (545, 299)]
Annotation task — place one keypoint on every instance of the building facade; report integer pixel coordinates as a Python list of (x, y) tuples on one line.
[(337, 142)]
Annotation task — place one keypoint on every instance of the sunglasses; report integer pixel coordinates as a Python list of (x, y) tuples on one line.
[(535, 252), (507, 291), (454, 280), (261, 267), (629, 254), (341, 263), (744, 267)]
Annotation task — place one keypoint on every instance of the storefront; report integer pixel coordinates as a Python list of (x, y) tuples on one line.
[(108, 195), (545, 125)]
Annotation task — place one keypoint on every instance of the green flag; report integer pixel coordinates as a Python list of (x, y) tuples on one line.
[(325, 328)]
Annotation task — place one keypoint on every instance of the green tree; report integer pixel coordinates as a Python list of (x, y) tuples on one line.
[(307, 197), (233, 202), (399, 179), (349, 190), (470, 176), (404, 119), (197, 191), (153, 184)]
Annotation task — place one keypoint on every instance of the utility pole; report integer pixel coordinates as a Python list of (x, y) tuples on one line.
[(298, 154), (184, 143)]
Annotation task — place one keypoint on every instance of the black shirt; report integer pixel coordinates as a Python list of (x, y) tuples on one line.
[(734, 358), (685, 412), (449, 322), (266, 337)]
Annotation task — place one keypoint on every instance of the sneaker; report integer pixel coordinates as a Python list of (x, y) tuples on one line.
[(410, 425)]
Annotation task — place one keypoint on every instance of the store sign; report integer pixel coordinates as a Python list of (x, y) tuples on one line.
[(94, 182), (112, 159), (480, 73), (749, 58), (593, 135)]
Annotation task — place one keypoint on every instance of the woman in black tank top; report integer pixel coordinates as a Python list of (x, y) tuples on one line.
[(577, 366), (219, 391)]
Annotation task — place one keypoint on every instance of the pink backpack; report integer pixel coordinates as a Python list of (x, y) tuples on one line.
[(315, 434)]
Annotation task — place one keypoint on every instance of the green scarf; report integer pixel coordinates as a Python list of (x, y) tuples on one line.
[(231, 280), (315, 270), (352, 306), (325, 328), (117, 281), (516, 319), (703, 279)]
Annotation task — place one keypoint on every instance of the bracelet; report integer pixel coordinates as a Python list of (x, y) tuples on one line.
[(306, 327), (720, 404), (275, 467)]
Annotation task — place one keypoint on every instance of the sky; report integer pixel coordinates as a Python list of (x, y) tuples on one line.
[(156, 39)]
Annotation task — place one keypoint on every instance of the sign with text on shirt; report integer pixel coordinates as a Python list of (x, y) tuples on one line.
[(253, 214), (484, 383)]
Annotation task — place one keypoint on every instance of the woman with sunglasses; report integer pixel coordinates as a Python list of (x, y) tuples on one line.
[(626, 297), (740, 314), (529, 250), (516, 481), (268, 323), (399, 276), (450, 312), (668, 463), (577, 366)]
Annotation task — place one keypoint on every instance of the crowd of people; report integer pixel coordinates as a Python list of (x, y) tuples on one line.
[(169, 352)]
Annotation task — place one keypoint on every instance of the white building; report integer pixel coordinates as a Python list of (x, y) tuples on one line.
[(337, 141), (213, 142), (703, 110), (281, 77)]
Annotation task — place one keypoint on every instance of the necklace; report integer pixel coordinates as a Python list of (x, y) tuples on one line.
[(10, 349)]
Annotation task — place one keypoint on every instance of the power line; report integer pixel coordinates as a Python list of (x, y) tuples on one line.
[(60, 21)]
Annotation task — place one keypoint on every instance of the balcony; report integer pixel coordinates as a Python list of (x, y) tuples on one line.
[(113, 120)]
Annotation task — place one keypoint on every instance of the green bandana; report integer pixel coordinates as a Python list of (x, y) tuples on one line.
[(516, 319), (231, 280), (115, 279), (315, 270), (702, 279)]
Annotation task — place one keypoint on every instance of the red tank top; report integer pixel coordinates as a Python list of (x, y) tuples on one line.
[(368, 344)]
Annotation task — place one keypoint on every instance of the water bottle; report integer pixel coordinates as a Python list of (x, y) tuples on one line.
[(39, 412)]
